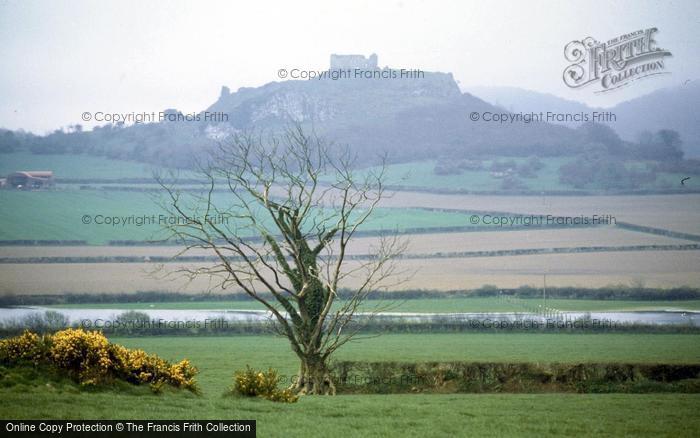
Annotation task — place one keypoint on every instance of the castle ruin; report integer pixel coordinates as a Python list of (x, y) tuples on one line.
[(342, 62)]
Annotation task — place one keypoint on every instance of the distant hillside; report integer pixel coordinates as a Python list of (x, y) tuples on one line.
[(515, 99), (671, 108), (408, 119)]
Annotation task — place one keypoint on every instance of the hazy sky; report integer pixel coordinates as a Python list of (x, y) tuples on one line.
[(60, 58)]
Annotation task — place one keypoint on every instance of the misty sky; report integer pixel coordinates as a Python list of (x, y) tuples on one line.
[(60, 58)]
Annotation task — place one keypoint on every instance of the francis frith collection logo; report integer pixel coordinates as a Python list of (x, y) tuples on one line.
[(614, 63)]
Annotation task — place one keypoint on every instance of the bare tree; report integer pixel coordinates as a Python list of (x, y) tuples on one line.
[(281, 235)]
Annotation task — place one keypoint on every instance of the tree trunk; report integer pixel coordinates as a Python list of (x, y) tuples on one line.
[(314, 377)]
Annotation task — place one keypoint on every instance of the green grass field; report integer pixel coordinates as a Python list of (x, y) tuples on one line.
[(430, 305), (414, 174), (381, 415), (75, 166), (44, 215), (420, 175), (221, 355), (613, 415)]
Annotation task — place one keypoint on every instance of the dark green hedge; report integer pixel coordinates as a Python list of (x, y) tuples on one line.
[(471, 377)]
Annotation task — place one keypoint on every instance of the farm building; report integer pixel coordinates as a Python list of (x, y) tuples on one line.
[(30, 179)]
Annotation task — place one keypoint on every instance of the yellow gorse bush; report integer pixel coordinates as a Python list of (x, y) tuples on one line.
[(85, 353), (252, 383), (90, 358), (27, 347)]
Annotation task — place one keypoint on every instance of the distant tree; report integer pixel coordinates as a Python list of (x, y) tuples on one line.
[(671, 144), (529, 168), (645, 138), (604, 172), (9, 142), (499, 166), (602, 134), (664, 145)]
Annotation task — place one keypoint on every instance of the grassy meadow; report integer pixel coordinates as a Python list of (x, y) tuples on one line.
[(45, 215), (417, 174), (550, 414), (76, 166), (420, 175)]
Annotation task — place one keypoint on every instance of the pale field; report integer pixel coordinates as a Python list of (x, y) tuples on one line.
[(559, 238), (673, 212), (417, 243), (652, 268)]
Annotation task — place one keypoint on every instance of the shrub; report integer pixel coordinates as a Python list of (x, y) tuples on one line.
[(90, 359), (55, 320), (137, 366), (85, 355), (283, 395), (27, 347), (253, 383), (48, 321)]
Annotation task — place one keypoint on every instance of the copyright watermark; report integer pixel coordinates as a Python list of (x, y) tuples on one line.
[(542, 117), (541, 220), (128, 427), (152, 219), (159, 323), (153, 117), (349, 73)]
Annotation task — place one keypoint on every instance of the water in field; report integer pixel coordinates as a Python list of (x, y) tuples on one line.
[(104, 318)]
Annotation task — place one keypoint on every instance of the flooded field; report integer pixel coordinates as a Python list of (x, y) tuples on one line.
[(104, 318)]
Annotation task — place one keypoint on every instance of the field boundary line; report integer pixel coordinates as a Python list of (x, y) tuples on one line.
[(438, 255), (658, 231)]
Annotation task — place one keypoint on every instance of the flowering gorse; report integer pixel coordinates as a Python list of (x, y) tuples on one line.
[(252, 383), (89, 358)]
